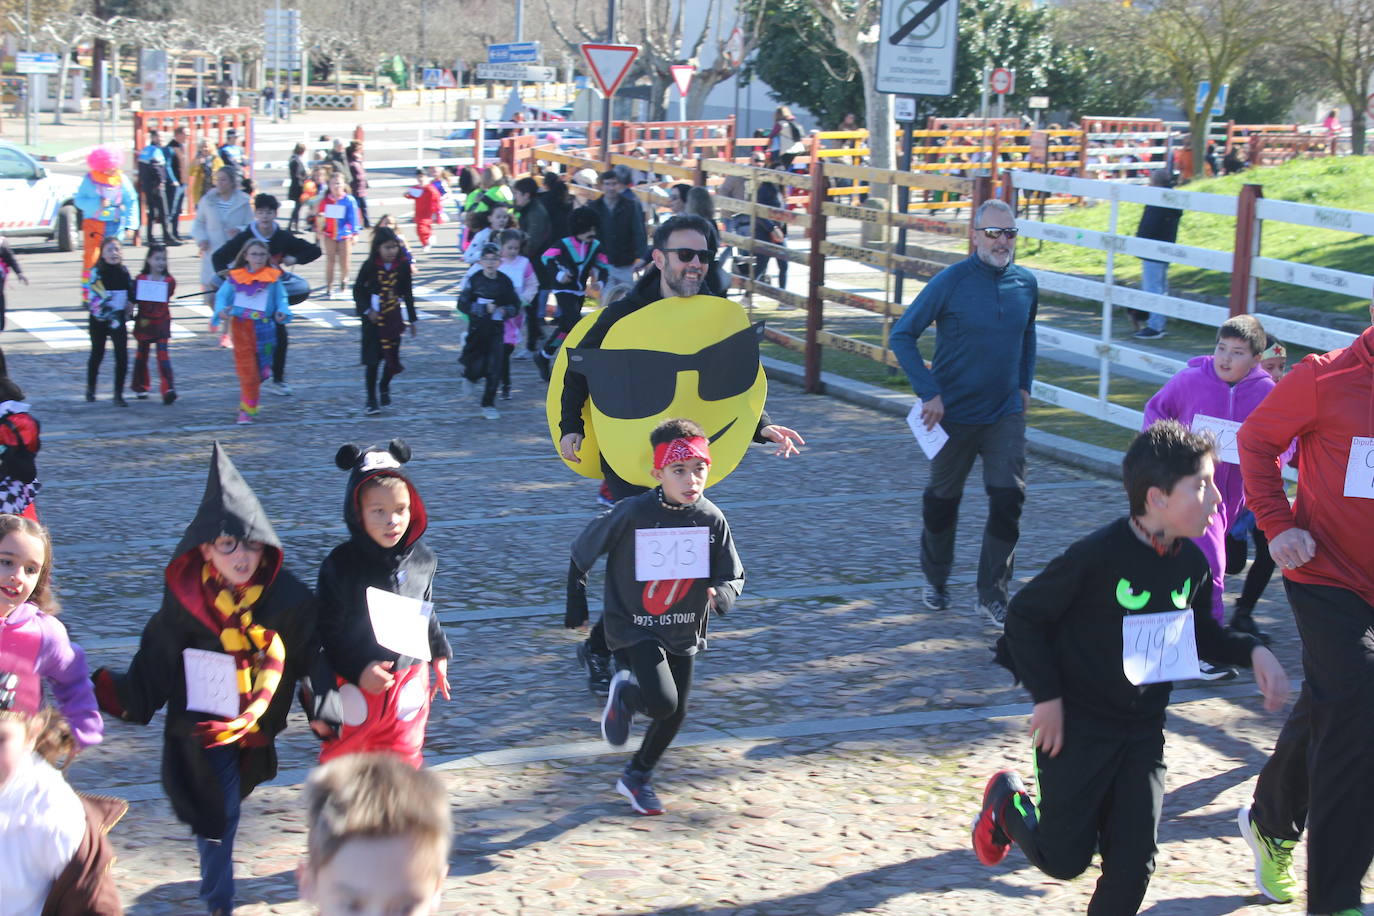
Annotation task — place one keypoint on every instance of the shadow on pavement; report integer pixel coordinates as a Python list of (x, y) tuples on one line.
[(1203, 906), (470, 859), (268, 889), (947, 871)]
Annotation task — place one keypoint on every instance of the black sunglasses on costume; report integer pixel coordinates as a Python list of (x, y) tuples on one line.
[(634, 384), (685, 255), (996, 232)]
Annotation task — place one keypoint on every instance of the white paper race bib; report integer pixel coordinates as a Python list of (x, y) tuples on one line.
[(414, 193), (1359, 470), (930, 440), (212, 682), (252, 302), (672, 553), (1223, 431), (334, 211), (152, 291), (1159, 647), (119, 299), (376, 303), (400, 624)]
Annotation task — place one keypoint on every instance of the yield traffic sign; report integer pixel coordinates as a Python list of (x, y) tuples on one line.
[(682, 76), (609, 64)]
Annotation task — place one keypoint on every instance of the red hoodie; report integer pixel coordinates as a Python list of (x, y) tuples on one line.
[(1325, 401)]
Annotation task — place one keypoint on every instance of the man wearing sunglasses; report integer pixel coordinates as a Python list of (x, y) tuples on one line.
[(978, 387), (683, 261)]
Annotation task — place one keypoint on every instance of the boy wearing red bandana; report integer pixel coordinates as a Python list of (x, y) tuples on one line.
[(670, 563), (232, 612)]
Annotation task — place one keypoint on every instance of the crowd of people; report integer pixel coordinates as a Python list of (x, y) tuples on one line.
[(238, 631)]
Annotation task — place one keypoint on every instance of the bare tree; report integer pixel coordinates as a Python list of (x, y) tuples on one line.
[(66, 32), (1338, 37), (854, 25), (1197, 41)]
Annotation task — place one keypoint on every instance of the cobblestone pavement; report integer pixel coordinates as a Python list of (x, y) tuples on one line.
[(839, 736)]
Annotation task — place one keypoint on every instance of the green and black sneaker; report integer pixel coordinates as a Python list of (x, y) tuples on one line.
[(1273, 860)]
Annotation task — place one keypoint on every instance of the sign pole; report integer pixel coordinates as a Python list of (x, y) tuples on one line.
[(606, 103), (903, 201), (276, 71)]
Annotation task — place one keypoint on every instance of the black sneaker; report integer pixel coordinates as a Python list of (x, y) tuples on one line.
[(372, 410), (995, 611), (934, 597), (598, 669), (1217, 673), (169, 397), (386, 397), (1148, 334), (1243, 622), (635, 785), (617, 717)]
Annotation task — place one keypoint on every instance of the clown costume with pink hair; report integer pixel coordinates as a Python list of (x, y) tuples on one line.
[(107, 203)]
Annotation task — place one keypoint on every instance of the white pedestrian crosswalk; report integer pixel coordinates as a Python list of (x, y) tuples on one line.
[(67, 330)]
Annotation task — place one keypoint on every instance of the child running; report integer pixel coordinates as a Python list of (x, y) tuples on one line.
[(428, 202), (576, 267), (154, 288), (254, 299), (20, 441), (382, 287), (522, 276), (655, 626), (230, 610), (374, 690), (379, 838), (488, 298), (339, 225), (487, 228), (107, 293), (1217, 392), (1098, 721), (33, 644), (53, 842), (1274, 361)]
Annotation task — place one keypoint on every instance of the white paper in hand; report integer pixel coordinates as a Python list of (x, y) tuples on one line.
[(672, 553), (334, 211), (152, 291), (212, 683), (119, 299), (1159, 647), (1359, 470), (400, 624), (1223, 431), (930, 440)]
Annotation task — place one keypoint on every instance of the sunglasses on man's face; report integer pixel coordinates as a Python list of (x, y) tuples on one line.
[(634, 384), (996, 232), (685, 255)]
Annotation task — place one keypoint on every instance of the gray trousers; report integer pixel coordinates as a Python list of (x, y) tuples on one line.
[(1002, 446)]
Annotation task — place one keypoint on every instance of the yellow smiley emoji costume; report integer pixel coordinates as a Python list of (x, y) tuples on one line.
[(695, 358)]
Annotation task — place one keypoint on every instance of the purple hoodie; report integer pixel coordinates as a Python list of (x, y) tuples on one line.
[(1199, 390), (61, 663)]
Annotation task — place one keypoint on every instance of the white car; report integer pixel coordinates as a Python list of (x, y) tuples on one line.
[(35, 203)]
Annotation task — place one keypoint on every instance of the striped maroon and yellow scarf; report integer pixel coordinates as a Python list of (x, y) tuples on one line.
[(259, 655)]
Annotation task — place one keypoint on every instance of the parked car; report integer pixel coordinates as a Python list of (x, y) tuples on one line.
[(35, 203)]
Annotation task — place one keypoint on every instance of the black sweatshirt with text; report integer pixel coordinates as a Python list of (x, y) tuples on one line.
[(669, 612)]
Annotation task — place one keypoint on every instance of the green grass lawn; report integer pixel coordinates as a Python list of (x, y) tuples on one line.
[(1346, 182)]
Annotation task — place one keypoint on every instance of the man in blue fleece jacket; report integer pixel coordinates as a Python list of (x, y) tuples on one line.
[(978, 388)]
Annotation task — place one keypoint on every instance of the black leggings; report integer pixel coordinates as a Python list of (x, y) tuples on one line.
[(119, 336), (661, 694), (1261, 571), (279, 355)]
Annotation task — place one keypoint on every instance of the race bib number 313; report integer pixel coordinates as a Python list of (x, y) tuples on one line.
[(672, 553), (1159, 647)]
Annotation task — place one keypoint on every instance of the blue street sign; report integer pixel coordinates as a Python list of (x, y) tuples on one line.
[(1218, 104), (36, 62), (514, 52)]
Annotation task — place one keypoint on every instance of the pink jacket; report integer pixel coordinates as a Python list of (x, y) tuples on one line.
[(34, 644)]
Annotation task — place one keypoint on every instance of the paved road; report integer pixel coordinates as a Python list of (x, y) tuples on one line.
[(840, 733)]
